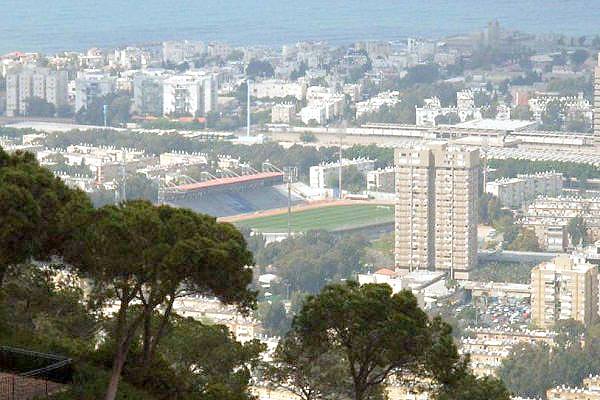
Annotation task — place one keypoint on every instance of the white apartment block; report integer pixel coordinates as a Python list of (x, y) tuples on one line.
[(375, 104), (465, 109), (516, 192), (277, 89), (489, 347), (571, 104), (283, 113), (313, 114), (130, 58), (381, 180), (148, 93), (548, 215), (436, 208), (323, 105), (564, 288), (353, 90), (321, 174), (43, 83), (182, 158), (194, 93), (91, 85), (178, 51)]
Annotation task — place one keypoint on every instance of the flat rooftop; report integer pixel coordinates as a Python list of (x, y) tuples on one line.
[(52, 127), (230, 181), (496, 124)]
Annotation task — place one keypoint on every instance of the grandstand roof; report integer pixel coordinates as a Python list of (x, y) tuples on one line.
[(229, 181)]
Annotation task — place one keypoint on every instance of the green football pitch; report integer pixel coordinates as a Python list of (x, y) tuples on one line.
[(331, 218)]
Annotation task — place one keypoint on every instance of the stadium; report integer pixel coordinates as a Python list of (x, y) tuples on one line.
[(231, 195), (337, 216)]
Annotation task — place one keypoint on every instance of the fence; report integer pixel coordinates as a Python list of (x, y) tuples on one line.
[(28, 375)]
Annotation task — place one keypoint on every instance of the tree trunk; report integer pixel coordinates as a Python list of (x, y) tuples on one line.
[(151, 340), (115, 375), (147, 337)]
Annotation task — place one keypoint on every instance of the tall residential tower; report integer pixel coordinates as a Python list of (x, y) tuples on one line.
[(596, 119), (436, 208)]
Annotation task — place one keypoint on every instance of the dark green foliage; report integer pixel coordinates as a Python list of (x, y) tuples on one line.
[(37, 107), (511, 167), (553, 117), (526, 240), (448, 119), (383, 156), (572, 86), (209, 358), (259, 68), (309, 261), (308, 137), (138, 187), (38, 213), (503, 272), (118, 112), (521, 112), (376, 335), (578, 231), (579, 56), (353, 180), (566, 364), (274, 318), (310, 372), (139, 251)]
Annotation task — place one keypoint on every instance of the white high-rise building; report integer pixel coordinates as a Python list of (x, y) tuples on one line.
[(191, 94), (91, 85), (179, 51), (42, 83)]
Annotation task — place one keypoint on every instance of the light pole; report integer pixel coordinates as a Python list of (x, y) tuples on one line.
[(290, 176)]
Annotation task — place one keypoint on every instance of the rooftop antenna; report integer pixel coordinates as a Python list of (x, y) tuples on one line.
[(342, 133), (105, 113)]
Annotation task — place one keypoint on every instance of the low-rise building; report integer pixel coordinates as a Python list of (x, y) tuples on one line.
[(381, 180), (589, 391), (516, 192), (277, 89), (489, 347), (375, 104), (549, 217), (283, 113), (564, 288), (427, 286), (465, 110), (320, 175), (182, 158)]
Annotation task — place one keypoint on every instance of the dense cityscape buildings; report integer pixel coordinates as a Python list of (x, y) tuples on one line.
[(464, 170)]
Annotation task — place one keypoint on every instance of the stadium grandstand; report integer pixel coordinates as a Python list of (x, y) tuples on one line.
[(231, 195)]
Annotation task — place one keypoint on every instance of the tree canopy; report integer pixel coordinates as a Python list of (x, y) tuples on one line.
[(376, 335), (38, 212), (137, 253)]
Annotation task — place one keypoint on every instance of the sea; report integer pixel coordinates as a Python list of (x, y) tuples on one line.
[(56, 25)]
